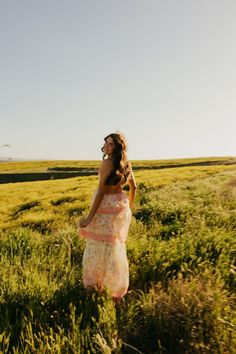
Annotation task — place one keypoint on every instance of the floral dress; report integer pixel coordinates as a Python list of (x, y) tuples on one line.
[(105, 262)]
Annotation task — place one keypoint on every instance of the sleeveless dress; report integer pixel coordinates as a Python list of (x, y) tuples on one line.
[(105, 262)]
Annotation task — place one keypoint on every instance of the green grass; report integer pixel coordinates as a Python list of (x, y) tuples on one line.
[(42, 166), (182, 260)]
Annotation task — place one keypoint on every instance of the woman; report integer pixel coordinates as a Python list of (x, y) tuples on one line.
[(106, 226)]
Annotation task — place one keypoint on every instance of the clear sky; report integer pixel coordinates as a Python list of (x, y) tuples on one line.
[(163, 72)]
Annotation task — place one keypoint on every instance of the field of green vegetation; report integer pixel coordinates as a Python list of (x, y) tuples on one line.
[(182, 259), (42, 166)]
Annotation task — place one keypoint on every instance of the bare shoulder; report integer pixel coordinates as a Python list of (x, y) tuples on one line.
[(106, 165), (131, 178), (131, 170)]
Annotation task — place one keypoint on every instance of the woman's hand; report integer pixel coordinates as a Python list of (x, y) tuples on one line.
[(84, 222)]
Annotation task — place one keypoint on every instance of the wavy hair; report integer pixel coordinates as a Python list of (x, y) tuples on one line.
[(122, 168)]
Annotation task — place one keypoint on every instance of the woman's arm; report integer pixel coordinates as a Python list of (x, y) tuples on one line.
[(132, 189), (105, 170)]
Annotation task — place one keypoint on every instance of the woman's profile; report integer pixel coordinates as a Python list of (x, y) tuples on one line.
[(106, 226)]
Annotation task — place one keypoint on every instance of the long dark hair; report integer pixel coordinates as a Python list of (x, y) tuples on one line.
[(122, 168)]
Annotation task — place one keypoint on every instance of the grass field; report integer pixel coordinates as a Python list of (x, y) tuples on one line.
[(182, 259), (42, 166)]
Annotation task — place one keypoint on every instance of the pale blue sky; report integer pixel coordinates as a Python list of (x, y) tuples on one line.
[(161, 71)]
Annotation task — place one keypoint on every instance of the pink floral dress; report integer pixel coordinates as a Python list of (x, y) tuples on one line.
[(105, 262)]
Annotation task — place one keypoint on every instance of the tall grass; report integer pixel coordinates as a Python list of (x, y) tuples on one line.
[(182, 260)]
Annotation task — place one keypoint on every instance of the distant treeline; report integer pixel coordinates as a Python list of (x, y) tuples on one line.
[(60, 172), (151, 166), (40, 176)]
